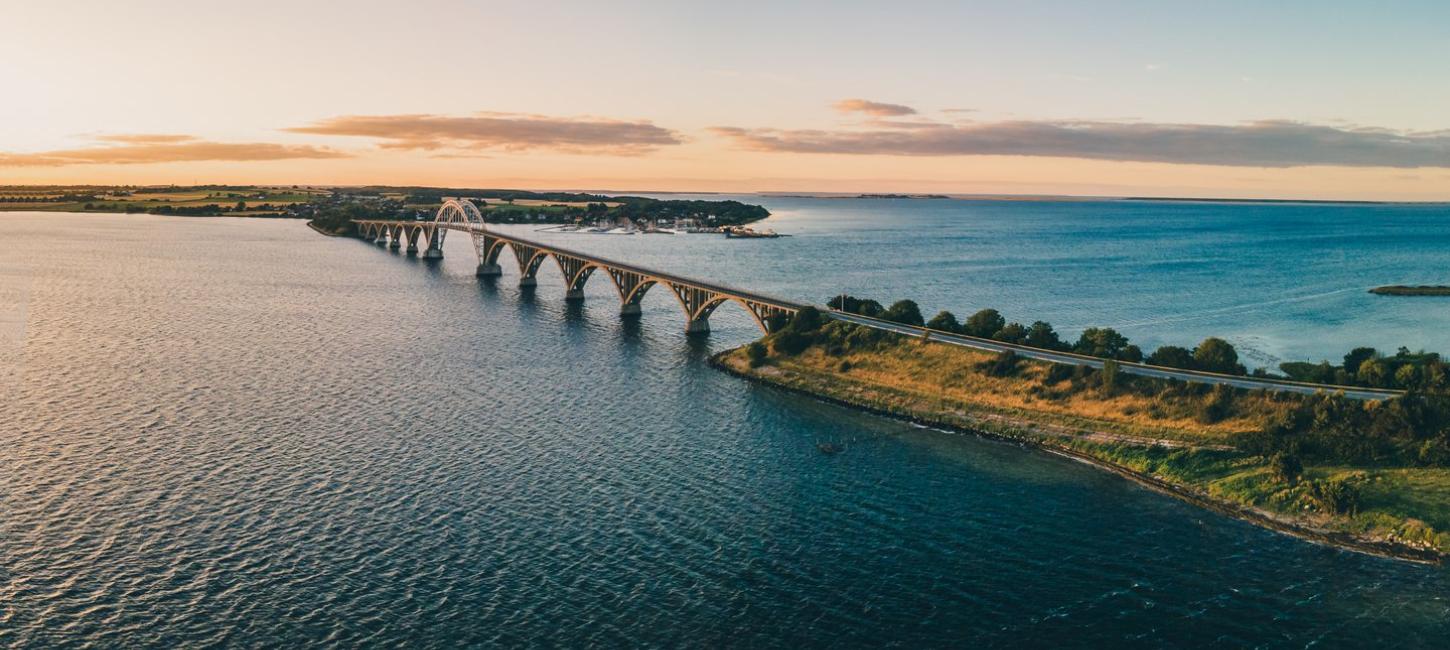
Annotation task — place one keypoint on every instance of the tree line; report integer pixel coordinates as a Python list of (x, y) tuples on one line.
[(1363, 366)]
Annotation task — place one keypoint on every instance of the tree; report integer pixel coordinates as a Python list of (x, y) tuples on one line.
[(944, 321), (1171, 356), (1011, 333), (1217, 355), (905, 312), (1040, 335), (984, 323), (1102, 342), (1286, 467), (1357, 357), (241, 205)]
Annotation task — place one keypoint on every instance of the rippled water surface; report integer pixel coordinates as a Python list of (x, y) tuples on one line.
[(237, 432)]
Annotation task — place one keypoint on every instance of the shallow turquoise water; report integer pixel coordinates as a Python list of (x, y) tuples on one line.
[(227, 432)]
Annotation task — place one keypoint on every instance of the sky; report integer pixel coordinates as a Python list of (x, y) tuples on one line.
[(1314, 100)]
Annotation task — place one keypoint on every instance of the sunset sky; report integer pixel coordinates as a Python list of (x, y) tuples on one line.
[(1297, 100)]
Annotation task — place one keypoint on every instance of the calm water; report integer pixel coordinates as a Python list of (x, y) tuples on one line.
[(227, 432)]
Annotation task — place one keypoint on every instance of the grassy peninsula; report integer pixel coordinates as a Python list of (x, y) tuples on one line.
[(1371, 476)]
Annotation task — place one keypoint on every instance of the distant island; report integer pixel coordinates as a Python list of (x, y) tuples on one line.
[(1405, 290), (332, 209)]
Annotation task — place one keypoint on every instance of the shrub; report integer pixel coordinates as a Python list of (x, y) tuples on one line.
[(1434, 453), (1003, 365), (808, 319), (790, 342), (1217, 405), (1286, 468), (757, 354), (1108, 379), (1336, 495), (1357, 357), (1057, 372)]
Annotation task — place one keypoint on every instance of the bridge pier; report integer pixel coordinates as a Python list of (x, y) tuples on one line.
[(412, 248), (395, 244), (698, 326), (528, 281), (433, 253), (630, 309), (381, 241), (574, 295), (486, 270)]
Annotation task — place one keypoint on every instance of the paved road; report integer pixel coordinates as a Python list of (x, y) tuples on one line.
[(1251, 383)]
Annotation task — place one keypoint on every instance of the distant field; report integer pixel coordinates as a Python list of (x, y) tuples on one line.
[(106, 200)]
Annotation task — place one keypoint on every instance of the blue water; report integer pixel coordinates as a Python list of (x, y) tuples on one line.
[(1282, 282), (221, 432)]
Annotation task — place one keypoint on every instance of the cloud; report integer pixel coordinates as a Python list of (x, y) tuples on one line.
[(145, 138), (500, 131), (874, 109), (140, 149), (1268, 143)]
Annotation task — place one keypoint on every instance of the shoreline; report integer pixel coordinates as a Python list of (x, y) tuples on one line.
[(1263, 519)]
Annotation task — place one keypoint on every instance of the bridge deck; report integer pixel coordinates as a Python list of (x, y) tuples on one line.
[(713, 287)]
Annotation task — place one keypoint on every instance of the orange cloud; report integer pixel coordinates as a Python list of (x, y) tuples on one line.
[(140, 149), (145, 138), (874, 109), (500, 131)]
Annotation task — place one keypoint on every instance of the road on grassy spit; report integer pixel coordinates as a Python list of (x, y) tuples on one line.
[(1145, 370)]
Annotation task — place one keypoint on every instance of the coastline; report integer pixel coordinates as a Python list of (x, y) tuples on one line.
[(1013, 433)]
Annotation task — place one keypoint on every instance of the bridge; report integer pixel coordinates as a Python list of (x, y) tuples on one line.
[(697, 299)]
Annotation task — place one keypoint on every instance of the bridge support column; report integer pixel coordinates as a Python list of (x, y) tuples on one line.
[(528, 282), (433, 253), (395, 244), (412, 248), (698, 326), (630, 309), (574, 295), (381, 241), (486, 270)]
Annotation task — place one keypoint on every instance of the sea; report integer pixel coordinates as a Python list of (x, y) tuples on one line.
[(220, 432)]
